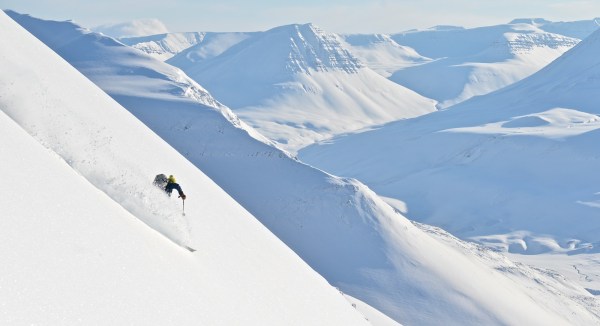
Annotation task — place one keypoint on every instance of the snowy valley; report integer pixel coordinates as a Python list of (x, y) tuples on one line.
[(280, 242), (515, 170), (532, 141)]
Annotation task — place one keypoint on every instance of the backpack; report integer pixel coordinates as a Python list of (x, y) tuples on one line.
[(160, 181)]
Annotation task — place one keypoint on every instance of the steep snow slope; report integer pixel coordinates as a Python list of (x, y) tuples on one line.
[(75, 251), (515, 169), (373, 315), (339, 226), (197, 46), (296, 84), (471, 62)]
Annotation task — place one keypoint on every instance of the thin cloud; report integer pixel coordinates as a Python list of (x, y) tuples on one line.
[(140, 27)]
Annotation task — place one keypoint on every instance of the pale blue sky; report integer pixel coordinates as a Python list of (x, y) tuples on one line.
[(349, 16)]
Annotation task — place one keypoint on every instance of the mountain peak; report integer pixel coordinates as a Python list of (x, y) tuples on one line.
[(310, 48)]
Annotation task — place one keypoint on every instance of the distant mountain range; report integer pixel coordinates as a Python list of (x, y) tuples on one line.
[(447, 64), (296, 84), (471, 62)]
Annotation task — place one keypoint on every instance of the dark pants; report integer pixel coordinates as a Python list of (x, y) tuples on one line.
[(170, 186)]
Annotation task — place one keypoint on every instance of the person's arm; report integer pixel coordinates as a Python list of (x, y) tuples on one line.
[(180, 191)]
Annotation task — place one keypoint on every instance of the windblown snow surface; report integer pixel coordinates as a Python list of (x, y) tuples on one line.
[(515, 169), (418, 275), (296, 84), (88, 240)]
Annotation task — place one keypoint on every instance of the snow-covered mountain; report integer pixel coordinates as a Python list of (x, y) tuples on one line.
[(77, 203), (296, 84), (211, 46), (576, 29), (197, 45), (342, 229), (382, 54), (476, 61), (164, 46), (515, 169)]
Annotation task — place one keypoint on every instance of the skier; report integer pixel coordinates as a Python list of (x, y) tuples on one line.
[(172, 184), (168, 184)]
